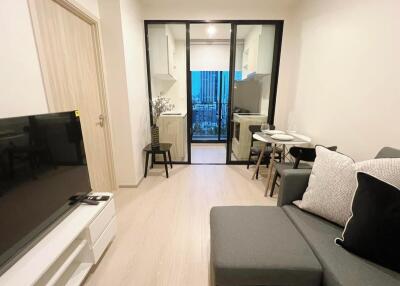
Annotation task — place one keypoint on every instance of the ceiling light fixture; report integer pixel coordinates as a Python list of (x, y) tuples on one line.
[(211, 30)]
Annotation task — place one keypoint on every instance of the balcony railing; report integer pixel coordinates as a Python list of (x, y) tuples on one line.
[(210, 91), (207, 124)]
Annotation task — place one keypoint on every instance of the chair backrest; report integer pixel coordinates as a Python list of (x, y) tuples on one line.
[(332, 148), (302, 154), (254, 128), (257, 128), (388, 152), (305, 154), (37, 134)]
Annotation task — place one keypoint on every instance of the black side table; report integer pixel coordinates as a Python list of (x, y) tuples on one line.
[(164, 149)]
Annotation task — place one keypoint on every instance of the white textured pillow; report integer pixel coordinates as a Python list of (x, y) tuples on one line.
[(330, 188), (385, 169), (333, 183)]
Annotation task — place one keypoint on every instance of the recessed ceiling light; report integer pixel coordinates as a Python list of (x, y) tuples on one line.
[(211, 30)]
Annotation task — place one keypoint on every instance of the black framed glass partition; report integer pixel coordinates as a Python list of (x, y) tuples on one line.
[(166, 59), (221, 76), (251, 92)]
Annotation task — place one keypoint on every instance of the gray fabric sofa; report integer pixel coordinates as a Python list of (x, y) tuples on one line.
[(284, 245)]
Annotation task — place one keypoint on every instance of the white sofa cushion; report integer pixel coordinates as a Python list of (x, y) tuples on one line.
[(333, 183)]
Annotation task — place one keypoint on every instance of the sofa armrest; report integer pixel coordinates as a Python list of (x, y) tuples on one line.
[(293, 184)]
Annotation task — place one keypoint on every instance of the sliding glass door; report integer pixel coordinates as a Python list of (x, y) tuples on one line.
[(253, 89), (210, 94), (209, 68)]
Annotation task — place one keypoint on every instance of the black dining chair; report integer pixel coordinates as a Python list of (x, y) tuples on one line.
[(33, 152), (299, 154), (255, 151)]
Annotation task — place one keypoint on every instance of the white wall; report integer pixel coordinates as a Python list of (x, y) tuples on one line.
[(117, 91), (135, 64), (216, 10), (21, 86), (124, 52), (348, 88), (92, 6)]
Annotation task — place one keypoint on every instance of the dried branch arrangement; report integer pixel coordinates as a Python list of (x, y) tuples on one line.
[(159, 105)]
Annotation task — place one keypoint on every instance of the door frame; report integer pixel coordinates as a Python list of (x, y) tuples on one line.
[(78, 10), (234, 23)]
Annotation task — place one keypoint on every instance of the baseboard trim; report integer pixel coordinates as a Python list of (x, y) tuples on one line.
[(127, 186), (131, 186)]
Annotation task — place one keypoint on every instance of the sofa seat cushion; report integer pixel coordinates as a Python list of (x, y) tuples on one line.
[(340, 266), (259, 245)]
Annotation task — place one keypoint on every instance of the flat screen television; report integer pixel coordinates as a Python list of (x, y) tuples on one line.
[(42, 165)]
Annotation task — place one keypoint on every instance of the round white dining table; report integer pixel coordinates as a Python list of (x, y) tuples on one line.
[(265, 138)]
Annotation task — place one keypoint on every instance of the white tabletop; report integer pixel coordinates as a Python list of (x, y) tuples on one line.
[(260, 136)]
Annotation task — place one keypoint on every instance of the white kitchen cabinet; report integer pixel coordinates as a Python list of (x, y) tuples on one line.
[(173, 129), (161, 52), (258, 51), (241, 140)]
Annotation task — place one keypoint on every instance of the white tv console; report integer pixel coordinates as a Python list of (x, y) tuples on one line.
[(67, 253)]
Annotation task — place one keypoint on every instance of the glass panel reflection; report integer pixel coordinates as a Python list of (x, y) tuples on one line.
[(167, 56), (250, 97)]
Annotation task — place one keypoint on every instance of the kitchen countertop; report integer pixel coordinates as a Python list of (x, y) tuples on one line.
[(238, 116), (173, 114)]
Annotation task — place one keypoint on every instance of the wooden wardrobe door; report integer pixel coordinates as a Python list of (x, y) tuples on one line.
[(73, 80)]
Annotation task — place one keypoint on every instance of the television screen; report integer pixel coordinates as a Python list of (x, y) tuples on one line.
[(42, 165)]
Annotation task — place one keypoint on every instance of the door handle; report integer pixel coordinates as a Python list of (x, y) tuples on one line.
[(101, 120)]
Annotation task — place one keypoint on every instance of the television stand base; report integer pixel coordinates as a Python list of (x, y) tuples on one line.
[(67, 253)]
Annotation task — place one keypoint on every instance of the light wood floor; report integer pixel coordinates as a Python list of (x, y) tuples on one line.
[(163, 226), (208, 153)]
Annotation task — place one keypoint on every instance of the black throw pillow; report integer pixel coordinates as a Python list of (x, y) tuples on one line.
[(373, 231)]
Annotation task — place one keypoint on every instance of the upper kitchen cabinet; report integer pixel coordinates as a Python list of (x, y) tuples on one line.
[(258, 50), (161, 52)]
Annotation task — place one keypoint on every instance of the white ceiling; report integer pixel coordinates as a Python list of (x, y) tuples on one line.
[(199, 31)]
